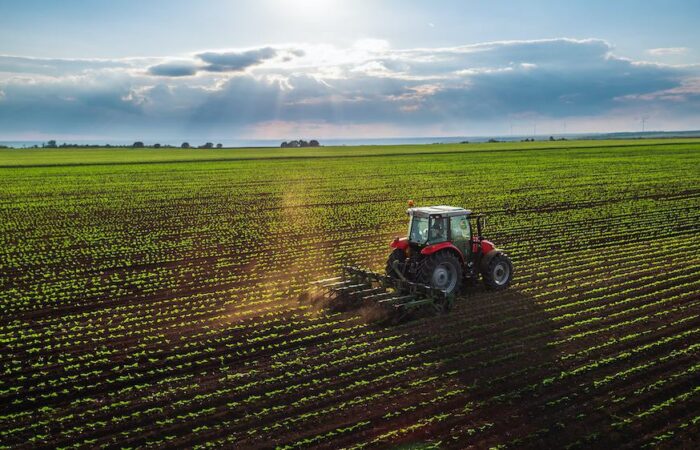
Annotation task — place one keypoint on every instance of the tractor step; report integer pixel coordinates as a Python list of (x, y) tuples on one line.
[(359, 286)]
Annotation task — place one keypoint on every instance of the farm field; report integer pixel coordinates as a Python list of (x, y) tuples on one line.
[(156, 298)]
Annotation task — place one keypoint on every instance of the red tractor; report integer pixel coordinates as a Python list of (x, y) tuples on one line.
[(442, 251), (427, 268)]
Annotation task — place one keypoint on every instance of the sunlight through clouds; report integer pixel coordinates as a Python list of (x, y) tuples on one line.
[(367, 85)]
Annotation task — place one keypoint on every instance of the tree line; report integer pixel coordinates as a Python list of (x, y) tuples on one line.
[(300, 143), (137, 144)]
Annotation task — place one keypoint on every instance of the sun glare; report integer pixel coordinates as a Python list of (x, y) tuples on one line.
[(307, 9)]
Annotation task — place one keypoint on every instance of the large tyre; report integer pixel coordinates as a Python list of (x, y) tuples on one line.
[(441, 270), (497, 271), (397, 255)]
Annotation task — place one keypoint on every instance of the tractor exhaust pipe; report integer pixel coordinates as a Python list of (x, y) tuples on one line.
[(480, 225)]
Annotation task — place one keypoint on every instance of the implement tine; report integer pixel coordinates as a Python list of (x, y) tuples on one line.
[(327, 281), (338, 284), (370, 291), (395, 301), (350, 288), (378, 297)]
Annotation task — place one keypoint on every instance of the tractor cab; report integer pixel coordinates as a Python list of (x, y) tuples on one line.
[(437, 224)]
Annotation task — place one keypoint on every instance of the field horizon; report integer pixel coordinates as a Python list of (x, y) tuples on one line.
[(367, 141), (68, 156)]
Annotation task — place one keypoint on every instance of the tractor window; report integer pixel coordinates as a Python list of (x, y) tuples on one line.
[(424, 231), (419, 230), (438, 229), (459, 228), (460, 233)]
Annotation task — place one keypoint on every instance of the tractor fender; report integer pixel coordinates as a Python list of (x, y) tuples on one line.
[(400, 243), (430, 249), (485, 245)]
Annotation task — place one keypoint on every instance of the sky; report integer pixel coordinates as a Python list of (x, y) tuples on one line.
[(279, 69)]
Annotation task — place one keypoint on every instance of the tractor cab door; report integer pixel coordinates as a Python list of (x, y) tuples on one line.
[(460, 233)]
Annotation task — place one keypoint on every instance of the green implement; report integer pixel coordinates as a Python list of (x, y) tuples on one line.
[(360, 287)]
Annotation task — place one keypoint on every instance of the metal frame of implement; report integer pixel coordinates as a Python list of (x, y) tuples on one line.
[(357, 286)]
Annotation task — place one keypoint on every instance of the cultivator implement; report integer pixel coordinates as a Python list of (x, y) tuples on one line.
[(359, 287)]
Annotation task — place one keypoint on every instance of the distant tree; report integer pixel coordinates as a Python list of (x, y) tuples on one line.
[(551, 138), (51, 144), (138, 144), (185, 145), (493, 140), (300, 143), (207, 145), (156, 145), (219, 146)]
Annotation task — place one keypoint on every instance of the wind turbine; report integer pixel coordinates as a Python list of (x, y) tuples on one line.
[(644, 122)]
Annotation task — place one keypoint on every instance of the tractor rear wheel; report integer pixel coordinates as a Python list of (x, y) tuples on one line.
[(497, 271), (441, 270)]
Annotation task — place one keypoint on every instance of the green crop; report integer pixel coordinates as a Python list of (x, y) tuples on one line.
[(161, 298)]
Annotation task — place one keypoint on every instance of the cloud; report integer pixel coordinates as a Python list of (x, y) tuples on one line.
[(235, 61), (223, 61), (70, 105), (174, 69), (550, 54), (668, 51), (688, 92), (367, 86), (56, 67)]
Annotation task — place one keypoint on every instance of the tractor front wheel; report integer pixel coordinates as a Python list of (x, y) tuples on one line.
[(441, 270), (497, 271)]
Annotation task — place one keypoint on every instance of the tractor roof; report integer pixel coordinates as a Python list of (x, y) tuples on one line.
[(446, 211)]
